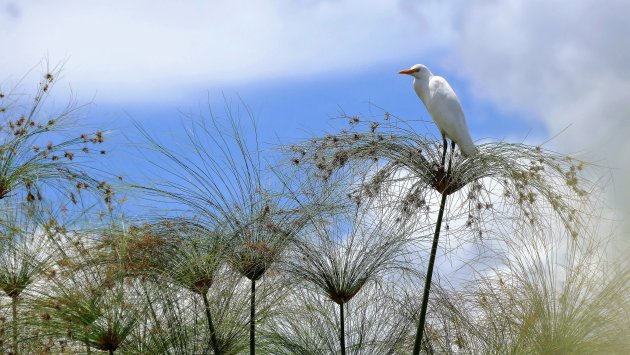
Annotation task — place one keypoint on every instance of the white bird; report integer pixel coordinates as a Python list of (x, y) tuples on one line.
[(443, 106)]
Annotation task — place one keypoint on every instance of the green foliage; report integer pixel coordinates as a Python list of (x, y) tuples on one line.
[(37, 152), (338, 254)]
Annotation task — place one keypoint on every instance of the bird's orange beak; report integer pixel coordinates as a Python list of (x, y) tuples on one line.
[(407, 71)]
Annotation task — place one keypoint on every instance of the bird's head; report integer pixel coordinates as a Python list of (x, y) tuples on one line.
[(418, 71)]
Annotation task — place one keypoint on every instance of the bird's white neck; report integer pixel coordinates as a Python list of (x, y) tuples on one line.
[(421, 86)]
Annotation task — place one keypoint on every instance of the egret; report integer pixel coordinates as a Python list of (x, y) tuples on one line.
[(444, 107)]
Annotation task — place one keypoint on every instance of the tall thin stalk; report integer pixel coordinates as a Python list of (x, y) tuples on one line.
[(436, 237), (252, 320), (14, 344), (342, 330), (427, 283), (213, 334)]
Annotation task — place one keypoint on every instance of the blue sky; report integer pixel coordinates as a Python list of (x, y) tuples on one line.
[(521, 68), (294, 109)]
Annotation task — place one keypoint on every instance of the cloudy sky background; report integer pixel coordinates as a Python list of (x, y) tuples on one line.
[(523, 69)]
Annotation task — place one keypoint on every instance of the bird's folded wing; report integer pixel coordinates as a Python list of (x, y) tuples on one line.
[(447, 111)]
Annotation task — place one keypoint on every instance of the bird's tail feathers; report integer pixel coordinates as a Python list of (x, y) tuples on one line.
[(469, 150)]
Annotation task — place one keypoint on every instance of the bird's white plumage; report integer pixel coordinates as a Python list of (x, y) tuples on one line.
[(443, 106)]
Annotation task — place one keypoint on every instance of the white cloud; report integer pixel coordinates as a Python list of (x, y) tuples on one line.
[(144, 50), (565, 62)]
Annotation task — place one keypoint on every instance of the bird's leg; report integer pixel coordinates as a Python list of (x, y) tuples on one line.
[(444, 150), (450, 160)]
